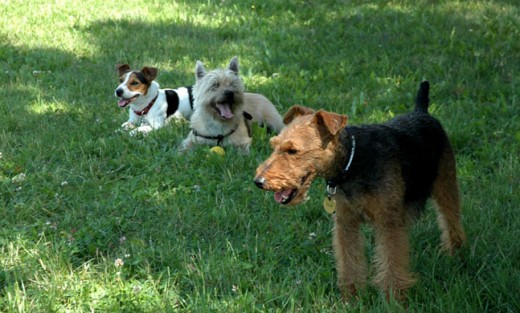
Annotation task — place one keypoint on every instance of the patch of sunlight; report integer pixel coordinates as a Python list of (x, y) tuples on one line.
[(390, 6), (251, 79), (15, 251), (40, 106), (476, 10)]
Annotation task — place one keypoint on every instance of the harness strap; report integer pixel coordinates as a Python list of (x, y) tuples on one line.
[(220, 138)]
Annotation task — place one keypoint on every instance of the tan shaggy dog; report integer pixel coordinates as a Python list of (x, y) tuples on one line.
[(381, 174), (223, 112)]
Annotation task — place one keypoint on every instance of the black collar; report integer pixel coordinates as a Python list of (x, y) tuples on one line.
[(335, 181)]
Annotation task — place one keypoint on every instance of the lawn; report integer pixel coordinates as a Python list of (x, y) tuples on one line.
[(93, 220)]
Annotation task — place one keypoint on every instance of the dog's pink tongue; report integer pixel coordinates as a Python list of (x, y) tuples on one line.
[(122, 103), (225, 110), (279, 196)]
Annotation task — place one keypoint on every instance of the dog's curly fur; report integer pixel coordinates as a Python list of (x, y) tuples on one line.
[(395, 167)]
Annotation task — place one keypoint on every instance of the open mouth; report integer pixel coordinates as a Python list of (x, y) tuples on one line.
[(123, 102), (224, 110), (287, 195)]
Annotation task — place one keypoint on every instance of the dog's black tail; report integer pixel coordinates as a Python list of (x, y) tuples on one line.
[(422, 101)]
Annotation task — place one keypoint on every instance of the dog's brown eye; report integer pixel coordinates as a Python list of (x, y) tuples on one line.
[(121, 80), (292, 151), (134, 83)]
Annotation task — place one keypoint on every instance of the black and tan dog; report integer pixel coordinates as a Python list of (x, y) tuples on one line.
[(381, 174)]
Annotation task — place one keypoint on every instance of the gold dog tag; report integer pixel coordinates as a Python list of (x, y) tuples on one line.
[(329, 204)]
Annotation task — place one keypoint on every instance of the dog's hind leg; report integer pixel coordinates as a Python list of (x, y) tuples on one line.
[(446, 196)]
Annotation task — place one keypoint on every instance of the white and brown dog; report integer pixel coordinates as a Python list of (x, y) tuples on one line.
[(223, 112), (150, 106)]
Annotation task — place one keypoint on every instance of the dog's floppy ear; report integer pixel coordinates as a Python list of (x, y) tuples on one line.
[(295, 111), (150, 73), (330, 123), (200, 71), (122, 69), (233, 65)]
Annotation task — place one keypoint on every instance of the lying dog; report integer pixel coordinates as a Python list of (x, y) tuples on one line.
[(380, 174), (223, 112), (150, 106)]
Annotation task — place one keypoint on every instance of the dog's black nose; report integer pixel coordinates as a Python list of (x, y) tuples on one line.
[(229, 96), (119, 92), (259, 182)]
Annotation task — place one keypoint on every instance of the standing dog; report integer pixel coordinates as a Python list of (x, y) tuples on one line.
[(150, 106), (381, 174), (223, 113)]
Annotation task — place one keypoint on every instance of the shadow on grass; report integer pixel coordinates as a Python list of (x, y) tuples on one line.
[(324, 55)]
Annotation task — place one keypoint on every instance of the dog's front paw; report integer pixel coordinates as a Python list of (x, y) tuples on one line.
[(141, 130), (185, 145), (127, 126), (244, 150)]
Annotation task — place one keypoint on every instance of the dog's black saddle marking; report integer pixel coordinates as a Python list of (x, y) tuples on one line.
[(413, 142), (172, 99)]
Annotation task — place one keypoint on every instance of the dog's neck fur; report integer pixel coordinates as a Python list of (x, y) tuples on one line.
[(144, 100), (341, 146)]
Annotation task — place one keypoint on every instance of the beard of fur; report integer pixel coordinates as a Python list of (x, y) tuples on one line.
[(302, 197), (280, 175), (211, 88)]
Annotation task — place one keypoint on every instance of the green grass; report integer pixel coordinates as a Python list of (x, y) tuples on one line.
[(194, 233)]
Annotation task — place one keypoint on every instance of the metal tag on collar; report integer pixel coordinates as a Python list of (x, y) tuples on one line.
[(331, 190), (329, 204)]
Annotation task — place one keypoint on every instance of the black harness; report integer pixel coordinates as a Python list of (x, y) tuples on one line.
[(220, 138)]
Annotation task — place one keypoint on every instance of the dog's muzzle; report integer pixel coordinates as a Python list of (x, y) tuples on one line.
[(228, 97)]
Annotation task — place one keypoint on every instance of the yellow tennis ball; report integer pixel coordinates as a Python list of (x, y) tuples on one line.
[(218, 150)]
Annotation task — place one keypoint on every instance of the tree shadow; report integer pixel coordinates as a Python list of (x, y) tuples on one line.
[(321, 55)]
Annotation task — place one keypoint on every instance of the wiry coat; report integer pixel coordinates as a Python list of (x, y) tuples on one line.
[(223, 112), (381, 174), (411, 144)]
